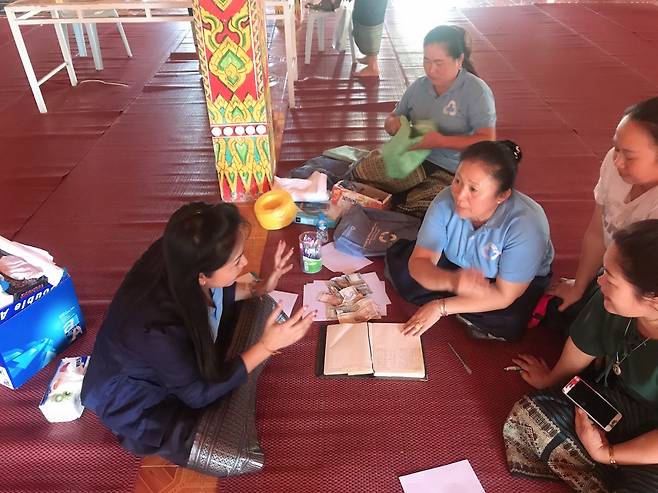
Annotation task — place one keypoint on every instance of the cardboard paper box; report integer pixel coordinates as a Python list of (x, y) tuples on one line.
[(35, 329), (346, 193)]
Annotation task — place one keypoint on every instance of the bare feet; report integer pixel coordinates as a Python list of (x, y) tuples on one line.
[(371, 69), (368, 71)]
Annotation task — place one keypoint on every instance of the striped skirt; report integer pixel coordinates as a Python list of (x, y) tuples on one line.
[(541, 441)]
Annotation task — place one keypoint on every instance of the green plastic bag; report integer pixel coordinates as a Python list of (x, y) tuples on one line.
[(398, 159)]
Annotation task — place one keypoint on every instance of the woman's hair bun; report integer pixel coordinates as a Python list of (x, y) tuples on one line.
[(514, 147)]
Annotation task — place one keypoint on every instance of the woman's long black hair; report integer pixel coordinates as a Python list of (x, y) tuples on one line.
[(198, 238)]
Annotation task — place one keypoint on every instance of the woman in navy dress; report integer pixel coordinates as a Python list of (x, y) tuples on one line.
[(159, 357)]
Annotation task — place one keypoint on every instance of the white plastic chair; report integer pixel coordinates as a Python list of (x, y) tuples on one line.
[(343, 29), (287, 14), (92, 34)]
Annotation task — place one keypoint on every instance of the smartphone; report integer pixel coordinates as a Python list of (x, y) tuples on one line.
[(594, 404), (282, 317)]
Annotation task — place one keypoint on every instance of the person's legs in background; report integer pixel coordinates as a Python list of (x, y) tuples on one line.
[(368, 22)]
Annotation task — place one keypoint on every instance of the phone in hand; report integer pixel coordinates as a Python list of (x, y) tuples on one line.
[(594, 404), (282, 317)]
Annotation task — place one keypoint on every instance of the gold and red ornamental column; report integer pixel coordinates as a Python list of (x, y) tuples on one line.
[(232, 52)]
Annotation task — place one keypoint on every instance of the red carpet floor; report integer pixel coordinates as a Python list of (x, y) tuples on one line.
[(562, 75), (94, 180)]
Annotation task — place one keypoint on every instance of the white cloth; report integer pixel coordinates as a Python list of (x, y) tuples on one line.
[(611, 193), (35, 256), (311, 189), (18, 268)]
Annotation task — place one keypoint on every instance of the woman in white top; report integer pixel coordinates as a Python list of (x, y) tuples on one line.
[(627, 192)]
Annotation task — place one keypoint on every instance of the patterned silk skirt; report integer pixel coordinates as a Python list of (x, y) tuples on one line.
[(541, 441)]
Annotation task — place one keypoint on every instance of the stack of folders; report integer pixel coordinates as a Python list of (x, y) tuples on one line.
[(370, 349)]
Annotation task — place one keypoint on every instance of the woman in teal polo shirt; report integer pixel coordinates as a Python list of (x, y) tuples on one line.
[(545, 436), (483, 251), (452, 99), (451, 95)]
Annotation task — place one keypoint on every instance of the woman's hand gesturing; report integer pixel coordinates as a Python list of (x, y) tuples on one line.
[(280, 335), (281, 267)]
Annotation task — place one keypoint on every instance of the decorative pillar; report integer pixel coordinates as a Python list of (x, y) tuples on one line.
[(232, 52)]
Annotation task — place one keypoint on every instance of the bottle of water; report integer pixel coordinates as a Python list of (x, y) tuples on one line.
[(321, 225)]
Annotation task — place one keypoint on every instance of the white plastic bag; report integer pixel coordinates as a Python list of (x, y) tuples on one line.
[(62, 400)]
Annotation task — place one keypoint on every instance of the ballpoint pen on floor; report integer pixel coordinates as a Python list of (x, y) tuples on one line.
[(468, 370)]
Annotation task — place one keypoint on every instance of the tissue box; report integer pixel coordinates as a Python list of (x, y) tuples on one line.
[(35, 329), (346, 193), (62, 402)]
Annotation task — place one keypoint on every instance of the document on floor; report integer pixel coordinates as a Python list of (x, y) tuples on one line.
[(377, 349), (337, 261), (458, 476)]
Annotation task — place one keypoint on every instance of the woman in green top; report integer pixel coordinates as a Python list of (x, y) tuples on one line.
[(545, 436)]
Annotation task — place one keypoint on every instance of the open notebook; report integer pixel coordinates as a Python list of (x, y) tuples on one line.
[(374, 349)]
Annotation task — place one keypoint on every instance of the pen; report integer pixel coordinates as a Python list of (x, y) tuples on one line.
[(468, 370), (513, 368)]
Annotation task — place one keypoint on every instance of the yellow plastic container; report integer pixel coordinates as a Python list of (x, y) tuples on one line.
[(275, 209)]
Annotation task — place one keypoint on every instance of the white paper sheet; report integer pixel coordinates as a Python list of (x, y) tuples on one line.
[(311, 291), (451, 478), (287, 300), (385, 297), (337, 261), (378, 288)]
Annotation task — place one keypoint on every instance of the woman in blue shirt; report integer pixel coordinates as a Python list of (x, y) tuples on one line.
[(451, 95), (483, 250), (159, 358), (451, 106)]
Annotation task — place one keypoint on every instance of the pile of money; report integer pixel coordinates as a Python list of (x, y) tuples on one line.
[(347, 300)]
